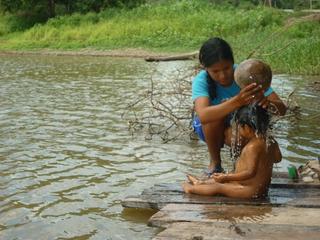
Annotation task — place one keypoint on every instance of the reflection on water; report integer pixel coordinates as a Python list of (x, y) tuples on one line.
[(229, 213), (137, 215), (235, 214), (67, 159)]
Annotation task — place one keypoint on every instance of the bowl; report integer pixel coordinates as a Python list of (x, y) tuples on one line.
[(253, 71)]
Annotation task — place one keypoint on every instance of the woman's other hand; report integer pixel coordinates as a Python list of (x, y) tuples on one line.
[(249, 94), (264, 102)]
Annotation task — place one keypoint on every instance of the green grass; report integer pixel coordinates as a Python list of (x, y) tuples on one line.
[(178, 26)]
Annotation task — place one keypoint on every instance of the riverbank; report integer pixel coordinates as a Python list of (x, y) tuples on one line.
[(128, 53), (288, 41)]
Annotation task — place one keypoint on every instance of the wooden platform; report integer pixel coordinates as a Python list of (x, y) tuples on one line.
[(227, 231), (281, 193), (235, 214), (191, 221), (291, 211)]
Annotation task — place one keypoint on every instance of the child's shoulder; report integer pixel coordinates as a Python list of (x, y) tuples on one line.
[(257, 141), (256, 145)]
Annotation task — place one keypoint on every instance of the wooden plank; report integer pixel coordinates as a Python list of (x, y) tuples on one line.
[(162, 194), (235, 214), (288, 183), (280, 175), (228, 231)]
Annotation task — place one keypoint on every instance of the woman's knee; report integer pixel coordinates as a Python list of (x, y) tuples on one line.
[(214, 131)]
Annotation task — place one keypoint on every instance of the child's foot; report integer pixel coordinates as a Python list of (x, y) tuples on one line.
[(193, 180), (187, 187)]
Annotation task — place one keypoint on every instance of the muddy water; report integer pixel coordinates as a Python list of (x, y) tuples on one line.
[(67, 159)]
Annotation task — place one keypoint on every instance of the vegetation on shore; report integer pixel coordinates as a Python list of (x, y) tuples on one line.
[(288, 41)]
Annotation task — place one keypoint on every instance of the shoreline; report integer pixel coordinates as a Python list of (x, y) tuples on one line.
[(146, 55), (126, 53)]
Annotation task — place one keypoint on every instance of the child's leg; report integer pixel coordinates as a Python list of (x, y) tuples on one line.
[(194, 180), (209, 181), (227, 189), (201, 189)]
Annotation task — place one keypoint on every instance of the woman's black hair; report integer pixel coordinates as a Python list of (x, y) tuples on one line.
[(254, 116), (212, 51)]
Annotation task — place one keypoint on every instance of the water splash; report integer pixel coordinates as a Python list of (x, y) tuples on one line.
[(274, 118), (236, 141)]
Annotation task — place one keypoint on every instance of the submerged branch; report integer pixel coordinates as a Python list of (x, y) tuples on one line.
[(165, 109)]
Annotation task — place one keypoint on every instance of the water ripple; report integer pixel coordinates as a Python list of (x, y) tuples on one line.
[(67, 159)]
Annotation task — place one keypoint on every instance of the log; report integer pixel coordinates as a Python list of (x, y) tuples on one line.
[(186, 56)]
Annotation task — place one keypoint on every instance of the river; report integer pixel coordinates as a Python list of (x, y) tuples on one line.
[(67, 158)]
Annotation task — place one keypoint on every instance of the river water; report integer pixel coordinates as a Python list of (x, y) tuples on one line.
[(67, 158)]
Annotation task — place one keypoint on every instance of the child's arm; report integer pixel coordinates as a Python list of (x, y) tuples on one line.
[(276, 153), (250, 156)]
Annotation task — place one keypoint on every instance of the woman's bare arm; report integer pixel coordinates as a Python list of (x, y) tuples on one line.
[(209, 113)]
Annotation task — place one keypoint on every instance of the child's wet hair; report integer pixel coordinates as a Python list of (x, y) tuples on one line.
[(254, 116), (212, 51)]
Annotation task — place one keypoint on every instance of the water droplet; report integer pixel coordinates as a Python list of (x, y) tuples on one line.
[(235, 142)]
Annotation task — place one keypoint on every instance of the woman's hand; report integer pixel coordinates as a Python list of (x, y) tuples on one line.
[(264, 102), (250, 94)]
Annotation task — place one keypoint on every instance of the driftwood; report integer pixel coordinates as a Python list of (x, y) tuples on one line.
[(165, 108), (186, 56)]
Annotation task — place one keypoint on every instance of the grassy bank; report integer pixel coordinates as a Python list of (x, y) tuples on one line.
[(289, 46)]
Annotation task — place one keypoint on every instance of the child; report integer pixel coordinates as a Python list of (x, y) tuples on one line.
[(253, 170)]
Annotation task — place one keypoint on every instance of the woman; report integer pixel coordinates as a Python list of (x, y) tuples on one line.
[(216, 96)]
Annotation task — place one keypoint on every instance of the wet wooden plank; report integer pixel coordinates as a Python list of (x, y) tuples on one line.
[(280, 194), (307, 202), (228, 231), (205, 213), (288, 183)]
